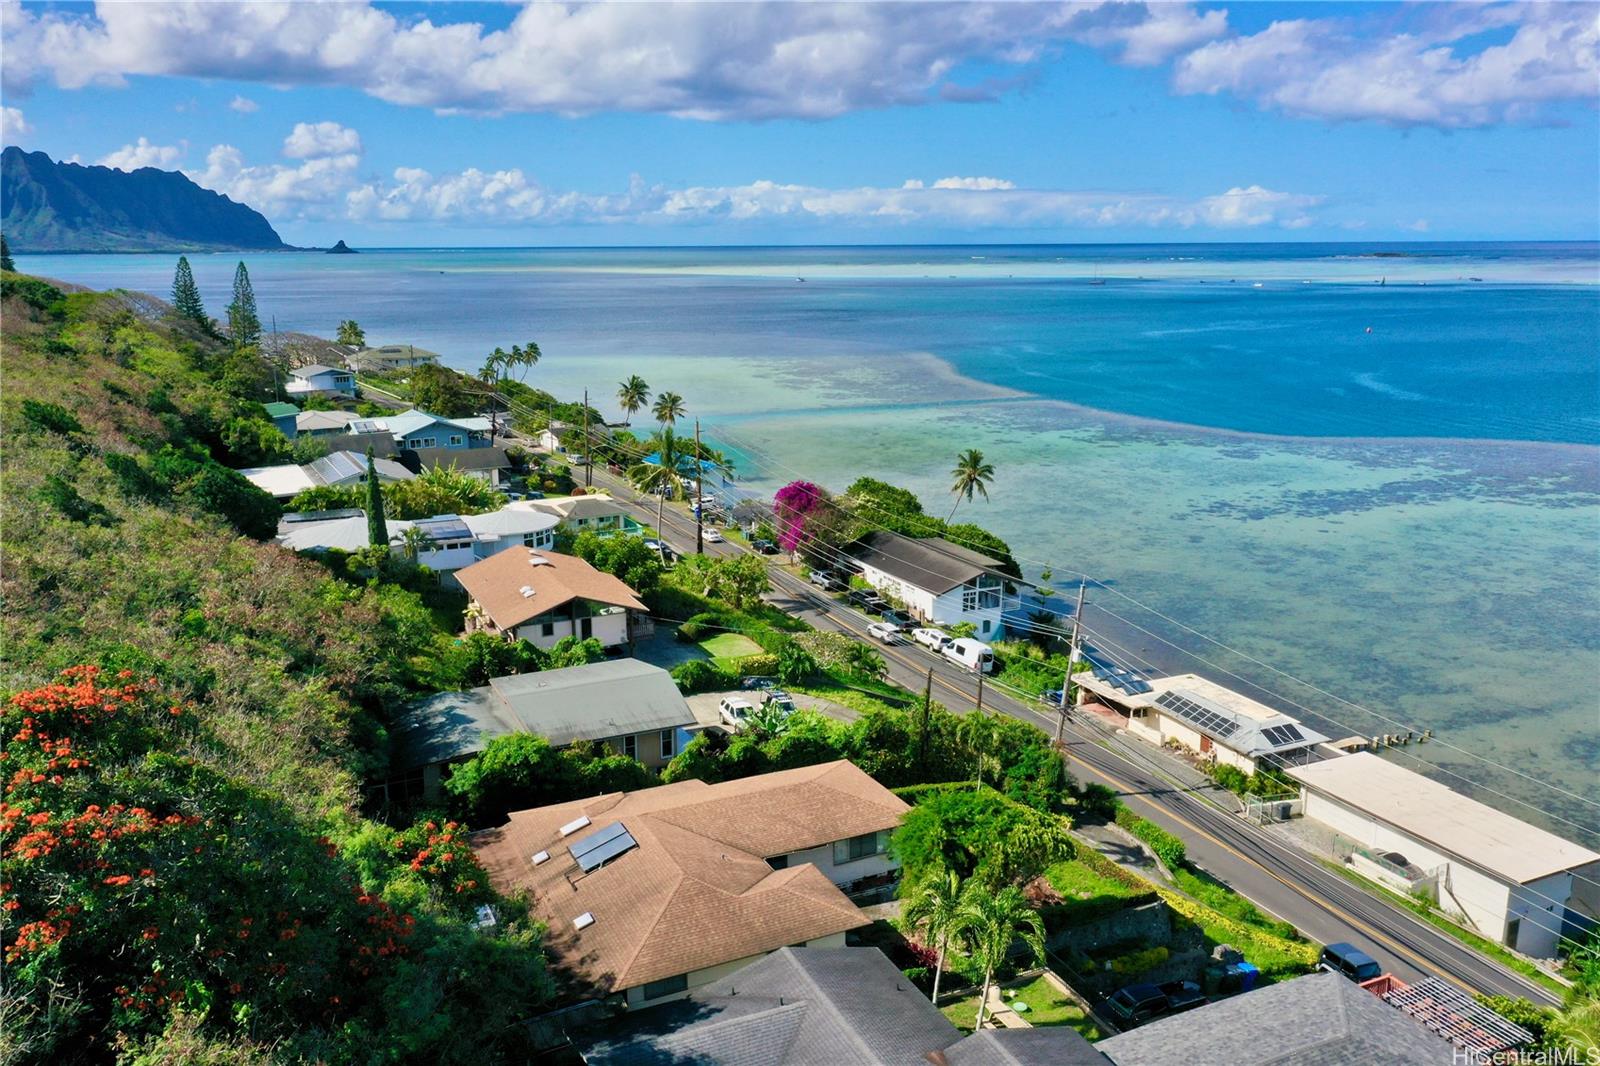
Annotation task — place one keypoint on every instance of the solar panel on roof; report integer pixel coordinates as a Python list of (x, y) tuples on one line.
[(1207, 720), (1282, 734), (601, 846)]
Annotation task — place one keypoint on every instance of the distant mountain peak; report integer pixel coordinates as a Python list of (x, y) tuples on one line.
[(47, 206), (341, 249)]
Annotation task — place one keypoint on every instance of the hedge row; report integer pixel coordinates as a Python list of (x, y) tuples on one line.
[(1168, 848)]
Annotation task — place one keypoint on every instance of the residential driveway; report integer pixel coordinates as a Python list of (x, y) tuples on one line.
[(1121, 848), (704, 705), (665, 650)]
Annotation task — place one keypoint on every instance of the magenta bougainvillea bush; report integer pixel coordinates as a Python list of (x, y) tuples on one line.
[(793, 504)]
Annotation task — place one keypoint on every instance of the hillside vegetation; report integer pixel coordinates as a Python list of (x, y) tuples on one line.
[(191, 716)]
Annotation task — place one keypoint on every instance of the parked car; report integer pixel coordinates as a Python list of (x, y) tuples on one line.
[(780, 700), (765, 547), (975, 655), (884, 632), (1182, 996), (712, 536), (757, 683), (823, 579), (734, 710), (533, 494), (869, 601), (899, 619), (1051, 698), (932, 639), (668, 552), (1347, 959), (1135, 1005)]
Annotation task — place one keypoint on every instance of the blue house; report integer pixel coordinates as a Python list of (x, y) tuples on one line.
[(416, 429), (283, 416)]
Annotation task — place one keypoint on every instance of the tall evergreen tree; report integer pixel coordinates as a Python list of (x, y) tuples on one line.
[(5, 255), (377, 528), (243, 322), (186, 295)]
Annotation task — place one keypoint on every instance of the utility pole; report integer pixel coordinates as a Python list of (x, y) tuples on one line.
[(699, 494), (980, 689), (1072, 660), (588, 445), (922, 732)]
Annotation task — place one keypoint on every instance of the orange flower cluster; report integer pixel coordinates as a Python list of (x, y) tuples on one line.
[(36, 936)]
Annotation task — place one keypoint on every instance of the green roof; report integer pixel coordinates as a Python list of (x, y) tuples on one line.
[(281, 410)]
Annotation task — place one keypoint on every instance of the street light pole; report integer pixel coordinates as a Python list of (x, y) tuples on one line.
[(1072, 660)]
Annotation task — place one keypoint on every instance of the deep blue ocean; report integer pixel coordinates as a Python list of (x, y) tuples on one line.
[(1365, 478)]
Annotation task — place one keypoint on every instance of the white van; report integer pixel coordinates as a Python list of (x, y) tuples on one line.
[(973, 654)]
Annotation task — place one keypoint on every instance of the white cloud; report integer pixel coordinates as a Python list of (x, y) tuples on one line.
[(314, 140), (12, 124), (1335, 69), (698, 60), (1419, 226), (244, 105), (142, 154)]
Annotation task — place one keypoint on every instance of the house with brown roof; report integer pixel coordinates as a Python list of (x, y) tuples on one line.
[(543, 596), (651, 894)]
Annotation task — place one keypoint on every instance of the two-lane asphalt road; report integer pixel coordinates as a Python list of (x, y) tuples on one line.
[(1273, 874)]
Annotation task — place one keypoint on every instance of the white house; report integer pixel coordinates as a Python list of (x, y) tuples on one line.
[(453, 541), (389, 357), (648, 895), (594, 513), (938, 581), (320, 380), (543, 596), (1193, 712), (1508, 880), (335, 468)]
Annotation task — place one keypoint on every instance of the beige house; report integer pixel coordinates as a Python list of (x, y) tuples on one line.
[(596, 513), (543, 596), (389, 357), (651, 894)]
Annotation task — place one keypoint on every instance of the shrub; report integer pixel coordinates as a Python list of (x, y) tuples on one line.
[(1230, 777), (762, 665), (1168, 848), (1137, 962), (699, 675)]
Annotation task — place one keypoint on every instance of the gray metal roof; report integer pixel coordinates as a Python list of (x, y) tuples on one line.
[(1053, 1045), (930, 563), (593, 702), (1319, 1020), (839, 1006), (483, 458), (343, 467)]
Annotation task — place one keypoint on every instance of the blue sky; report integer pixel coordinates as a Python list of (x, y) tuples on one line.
[(474, 124)]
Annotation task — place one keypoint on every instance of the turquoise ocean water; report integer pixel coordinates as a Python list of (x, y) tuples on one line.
[(1365, 479)]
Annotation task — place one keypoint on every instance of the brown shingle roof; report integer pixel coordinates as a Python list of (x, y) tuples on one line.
[(496, 584), (698, 891)]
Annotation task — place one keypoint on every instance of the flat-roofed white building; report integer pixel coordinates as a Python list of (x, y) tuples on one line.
[(1202, 716), (1509, 880)]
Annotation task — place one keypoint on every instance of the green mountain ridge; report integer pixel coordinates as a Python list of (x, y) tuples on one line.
[(46, 206)]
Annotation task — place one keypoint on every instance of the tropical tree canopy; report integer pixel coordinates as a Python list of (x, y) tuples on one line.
[(352, 334), (990, 923), (441, 490)]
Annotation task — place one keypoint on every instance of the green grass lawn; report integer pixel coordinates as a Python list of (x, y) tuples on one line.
[(730, 646), (1077, 881), (1046, 1006)]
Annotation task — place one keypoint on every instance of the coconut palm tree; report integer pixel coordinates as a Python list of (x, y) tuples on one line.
[(632, 394), (972, 474), (990, 923), (661, 477), (936, 906), (668, 408), (1576, 1028), (413, 540)]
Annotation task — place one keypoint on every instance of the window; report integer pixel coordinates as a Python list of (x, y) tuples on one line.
[(548, 629), (422, 442), (455, 440), (779, 862), (669, 743), (630, 746), (667, 986), (586, 628), (861, 847)]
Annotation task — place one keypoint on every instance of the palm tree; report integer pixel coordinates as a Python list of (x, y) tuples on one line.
[(990, 923), (413, 540), (668, 408), (717, 461), (972, 474), (661, 477), (936, 906), (633, 394), (1576, 1028)]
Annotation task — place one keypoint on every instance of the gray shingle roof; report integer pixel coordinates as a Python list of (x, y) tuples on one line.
[(1055, 1045), (1318, 1020), (929, 563), (593, 702), (835, 1006)]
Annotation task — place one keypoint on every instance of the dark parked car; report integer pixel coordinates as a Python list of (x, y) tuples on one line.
[(1135, 1005), (899, 619), (765, 547), (869, 601), (1349, 960), (1182, 996)]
